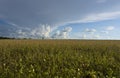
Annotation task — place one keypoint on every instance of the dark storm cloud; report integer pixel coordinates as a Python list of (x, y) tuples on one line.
[(33, 12)]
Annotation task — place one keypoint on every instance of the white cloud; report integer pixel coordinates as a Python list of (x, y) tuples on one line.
[(109, 28), (56, 34), (90, 30), (63, 34), (87, 34), (21, 32), (98, 17), (42, 31), (67, 29)]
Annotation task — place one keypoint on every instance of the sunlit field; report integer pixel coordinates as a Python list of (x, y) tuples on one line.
[(59, 59)]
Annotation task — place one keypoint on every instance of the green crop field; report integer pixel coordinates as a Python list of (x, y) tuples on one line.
[(59, 59)]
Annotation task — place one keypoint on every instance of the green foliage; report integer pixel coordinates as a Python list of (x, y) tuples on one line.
[(59, 59)]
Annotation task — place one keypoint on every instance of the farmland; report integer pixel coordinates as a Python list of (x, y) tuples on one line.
[(59, 59)]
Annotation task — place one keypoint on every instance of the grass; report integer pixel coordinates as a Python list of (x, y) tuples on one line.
[(59, 59)]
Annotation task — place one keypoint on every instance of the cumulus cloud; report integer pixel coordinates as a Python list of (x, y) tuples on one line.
[(90, 30), (90, 34), (67, 29), (109, 28), (42, 32), (63, 34)]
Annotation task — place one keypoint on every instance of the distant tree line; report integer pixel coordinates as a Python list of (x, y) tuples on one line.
[(6, 38)]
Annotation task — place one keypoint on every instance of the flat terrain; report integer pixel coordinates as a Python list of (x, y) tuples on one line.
[(59, 59)]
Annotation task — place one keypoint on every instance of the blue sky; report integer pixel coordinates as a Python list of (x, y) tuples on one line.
[(61, 19)]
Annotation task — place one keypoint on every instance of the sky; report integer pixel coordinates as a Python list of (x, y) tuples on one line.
[(60, 19)]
